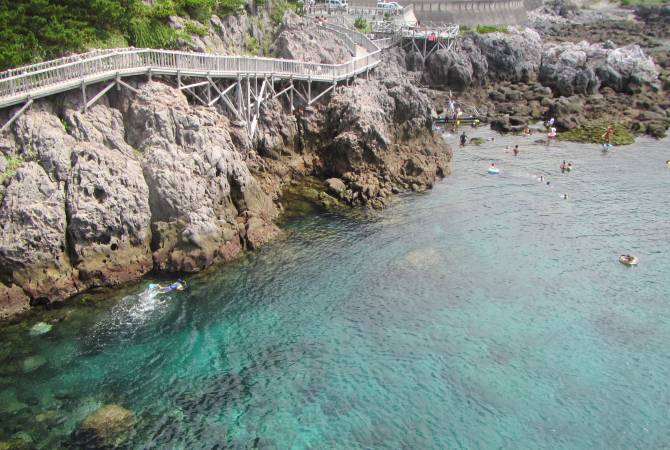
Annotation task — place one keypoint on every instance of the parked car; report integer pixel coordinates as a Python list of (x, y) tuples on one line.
[(337, 4), (389, 7)]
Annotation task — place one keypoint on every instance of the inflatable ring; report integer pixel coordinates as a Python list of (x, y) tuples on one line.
[(493, 171), (632, 261)]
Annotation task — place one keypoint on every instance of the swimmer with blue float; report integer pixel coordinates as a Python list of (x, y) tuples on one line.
[(178, 285)]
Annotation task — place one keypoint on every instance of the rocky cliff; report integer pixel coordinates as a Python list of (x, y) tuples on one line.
[(103, 196), (148, 181)]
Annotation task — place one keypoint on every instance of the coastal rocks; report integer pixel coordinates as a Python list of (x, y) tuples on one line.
[(513, 56), (198, 181), (13, 301), (567, 112), (41, 137), (33, 248), (276, 129), (582, 68), (108, 216), (449, 68), (335, 186), (108, 426), (414, 61), (380, 141), (305, 41)]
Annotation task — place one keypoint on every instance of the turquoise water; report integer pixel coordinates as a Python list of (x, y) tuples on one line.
[(487, 313)]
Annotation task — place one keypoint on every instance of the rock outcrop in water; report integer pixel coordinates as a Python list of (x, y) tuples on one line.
[(147, 181), (375, 130), (582, 67)]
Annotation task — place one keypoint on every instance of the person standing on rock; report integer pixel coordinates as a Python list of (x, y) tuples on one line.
[(607, 137), (463, 139)]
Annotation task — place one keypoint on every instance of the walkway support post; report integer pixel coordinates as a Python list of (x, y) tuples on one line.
[(83, 95), (16, 116)]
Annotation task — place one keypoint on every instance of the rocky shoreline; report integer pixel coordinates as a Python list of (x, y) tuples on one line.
[(148, 181), (578, 66)]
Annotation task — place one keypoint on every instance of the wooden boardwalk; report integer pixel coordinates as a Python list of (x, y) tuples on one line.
[(239, 83)]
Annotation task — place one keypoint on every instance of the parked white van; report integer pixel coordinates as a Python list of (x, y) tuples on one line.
[(389, 7), (337, 4)]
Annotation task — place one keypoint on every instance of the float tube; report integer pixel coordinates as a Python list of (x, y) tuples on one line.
[(493, 170), (628, 260)]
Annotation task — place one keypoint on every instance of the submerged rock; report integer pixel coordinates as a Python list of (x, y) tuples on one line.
[(33, 363), (110, 425), (40, 328)]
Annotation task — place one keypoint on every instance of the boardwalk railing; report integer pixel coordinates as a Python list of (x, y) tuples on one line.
[(51, 77)]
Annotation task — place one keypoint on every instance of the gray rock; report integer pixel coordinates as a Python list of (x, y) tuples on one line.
[(582, 68), (40, 136), (378, 128), (335, 186), (198, 182), (109, 218), (32, 243), (413, 61), (303, 40), (513, 56), (567, 111)]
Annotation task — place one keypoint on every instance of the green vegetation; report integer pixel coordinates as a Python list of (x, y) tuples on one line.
[(477, 140), (279, 7), (362, 25), (593, 132), (251, 44), (483, 29), (195, 28), (12, 163), (644, 2), (35, 30)]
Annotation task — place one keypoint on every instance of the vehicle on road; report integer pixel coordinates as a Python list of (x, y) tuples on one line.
[(337, 4), (389, 7)]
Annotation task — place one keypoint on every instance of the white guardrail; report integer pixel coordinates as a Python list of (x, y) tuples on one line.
[(51, 77)]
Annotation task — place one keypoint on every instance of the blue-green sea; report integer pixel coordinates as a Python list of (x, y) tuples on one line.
[(487, 313)]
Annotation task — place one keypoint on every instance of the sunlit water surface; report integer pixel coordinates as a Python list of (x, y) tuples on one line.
[(487, 313)]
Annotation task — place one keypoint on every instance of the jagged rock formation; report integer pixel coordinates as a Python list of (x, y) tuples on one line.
[(380, 141), (303, 40), (583, 68), (479, 58), (106, 195), (145, 180)]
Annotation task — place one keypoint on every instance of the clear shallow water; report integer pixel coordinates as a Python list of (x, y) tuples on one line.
[(487, 313)]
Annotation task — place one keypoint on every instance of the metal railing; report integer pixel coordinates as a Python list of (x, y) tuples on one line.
[(39, 80)]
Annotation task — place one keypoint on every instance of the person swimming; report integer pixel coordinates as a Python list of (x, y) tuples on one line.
[(563, 166), (178, 285)]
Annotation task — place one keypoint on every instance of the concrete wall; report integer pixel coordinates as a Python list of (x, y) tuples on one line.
[(467, 12)]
